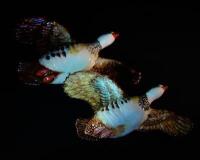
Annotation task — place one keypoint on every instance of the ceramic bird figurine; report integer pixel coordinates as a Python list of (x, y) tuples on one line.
[(64, 57), (72, 59), (54, 66), (115, 113)]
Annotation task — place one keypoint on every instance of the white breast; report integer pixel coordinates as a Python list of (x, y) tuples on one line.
[(69, 63), (72, 62), (128, 114)]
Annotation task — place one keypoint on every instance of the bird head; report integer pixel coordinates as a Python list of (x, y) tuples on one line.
[(107, 39), (155, 93)]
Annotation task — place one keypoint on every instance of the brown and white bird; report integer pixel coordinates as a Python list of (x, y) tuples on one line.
[(63, 57), (115, 113)]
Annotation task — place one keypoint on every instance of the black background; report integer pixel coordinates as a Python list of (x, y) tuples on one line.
[(162, 42)]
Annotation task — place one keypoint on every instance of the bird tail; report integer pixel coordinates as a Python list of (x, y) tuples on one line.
[(167, 122)]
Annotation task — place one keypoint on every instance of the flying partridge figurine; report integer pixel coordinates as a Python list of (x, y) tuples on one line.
[(63, 57), (115, 113)]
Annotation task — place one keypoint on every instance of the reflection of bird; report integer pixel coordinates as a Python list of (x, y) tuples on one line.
[(115, 113), (63, 57)]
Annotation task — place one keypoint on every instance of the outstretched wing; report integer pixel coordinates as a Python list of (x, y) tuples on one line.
[(98, 90), (125, 76), (43, 34), (167, 122)]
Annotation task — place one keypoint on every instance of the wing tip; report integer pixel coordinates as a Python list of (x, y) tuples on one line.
[(182, 126), (168, 122), (80, 128)]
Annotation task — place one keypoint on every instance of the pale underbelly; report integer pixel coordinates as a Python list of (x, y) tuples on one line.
[(68, 64), (129, 114)]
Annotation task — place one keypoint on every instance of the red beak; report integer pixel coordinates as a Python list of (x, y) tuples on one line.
[(165, 87), (115, 35)]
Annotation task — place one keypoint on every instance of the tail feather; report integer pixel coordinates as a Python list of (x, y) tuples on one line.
[(167, 122)]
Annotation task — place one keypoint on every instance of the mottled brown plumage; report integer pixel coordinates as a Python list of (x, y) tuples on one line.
[(84, 85), (92, 129), (80, 128), (115, 113), (62, 57), (126, 77), (167, 122), (42, 34)]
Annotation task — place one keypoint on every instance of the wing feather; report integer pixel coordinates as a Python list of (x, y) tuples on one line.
[(115, 70), (45, 35), (167, 122), (98, 90)]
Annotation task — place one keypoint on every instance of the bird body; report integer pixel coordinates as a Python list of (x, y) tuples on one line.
[(66, 60), (75, 58), (69, 60), (115, 113), (128, 114), (60, 57)]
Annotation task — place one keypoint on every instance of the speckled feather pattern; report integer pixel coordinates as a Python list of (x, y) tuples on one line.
[(167, 122), (42, 33), (93, 88), (125, 77)]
